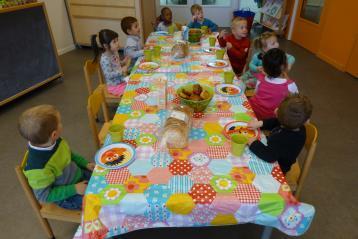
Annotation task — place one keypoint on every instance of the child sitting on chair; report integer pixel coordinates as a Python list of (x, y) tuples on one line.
[(134, 46), (237, 44), (165, 20), (288, 132), (199, 20), (264, 43), (273, 87), (54, 172), (114, 69)]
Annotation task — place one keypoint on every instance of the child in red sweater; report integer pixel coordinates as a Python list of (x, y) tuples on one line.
[(237, 43)]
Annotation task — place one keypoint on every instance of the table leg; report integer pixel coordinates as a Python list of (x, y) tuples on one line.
[(266, 234)]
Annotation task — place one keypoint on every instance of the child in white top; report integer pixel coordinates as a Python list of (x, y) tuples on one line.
[(113, 68), (134, 46), (166, 20)]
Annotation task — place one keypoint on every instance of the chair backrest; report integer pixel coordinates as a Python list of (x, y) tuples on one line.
[(91, 69), (96, 102), (310, 146)]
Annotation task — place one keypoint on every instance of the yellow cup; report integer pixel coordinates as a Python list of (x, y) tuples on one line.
[(220, 54), (116, 131), (156, 51), (238, 144), (148, 55), (228, 77), (171, 29), (212, 41), (204, 29)]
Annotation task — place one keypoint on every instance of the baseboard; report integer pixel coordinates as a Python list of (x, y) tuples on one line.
[(331, 61), (66, 49)]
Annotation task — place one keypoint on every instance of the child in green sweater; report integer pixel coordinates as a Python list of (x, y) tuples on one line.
[(54, 172)]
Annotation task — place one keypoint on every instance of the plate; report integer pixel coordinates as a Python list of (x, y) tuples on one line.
[(228, 90), (240, 127), (148, 66), (164, 33), (210, 49), (115, 156), (218, 64)]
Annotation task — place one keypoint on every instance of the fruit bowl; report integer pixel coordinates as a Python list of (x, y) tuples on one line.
[(196, 105)]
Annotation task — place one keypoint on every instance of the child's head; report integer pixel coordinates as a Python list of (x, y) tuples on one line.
[(294, 111), (197, 12), (130, 26), (108, 40), (40, 125), (274, 62), (166, 15), (266, 41), (239, 27)]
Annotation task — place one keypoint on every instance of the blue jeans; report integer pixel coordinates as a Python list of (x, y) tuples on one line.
[(75, 202)]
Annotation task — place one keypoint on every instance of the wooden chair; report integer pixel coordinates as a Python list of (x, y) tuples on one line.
[(310, 147), (96, 102), (91, 69), (45, 211)]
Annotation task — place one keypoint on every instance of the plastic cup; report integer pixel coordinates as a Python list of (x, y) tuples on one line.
[(238, 144), (148, 55), (204, 29), (220, 54), (116, 131), (171, 29), (229, 77), (156, 51), (212, 41)]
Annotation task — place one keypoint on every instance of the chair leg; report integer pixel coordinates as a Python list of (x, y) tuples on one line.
[(46, 227)]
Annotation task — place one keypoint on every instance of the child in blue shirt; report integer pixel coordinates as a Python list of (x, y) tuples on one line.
[(267, 41), (199, 20)]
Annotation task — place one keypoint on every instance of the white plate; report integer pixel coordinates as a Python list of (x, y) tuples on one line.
[(115, 156), (218, 64), (210, 49), (148, 66), (164, 33), (228, 89), (240, 127)]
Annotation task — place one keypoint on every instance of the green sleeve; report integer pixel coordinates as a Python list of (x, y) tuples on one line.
[(79, 160), (59, 193)]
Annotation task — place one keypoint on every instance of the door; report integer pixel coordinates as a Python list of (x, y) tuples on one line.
[(219, 11), (309, 24), (352, 66)]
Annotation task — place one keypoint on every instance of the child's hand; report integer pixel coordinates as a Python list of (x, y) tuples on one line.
[(81, 187), (228, 45), (125, 70), (250, 140), (195, 18), (91, 166), (222, 33), (260, 69), (254, 124)]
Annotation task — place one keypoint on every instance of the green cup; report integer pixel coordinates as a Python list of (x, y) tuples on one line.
[(156, 51), (238, 144), (220, 54), (204, 29), (148, 55), (116, 131), (212, 41), (229, 77), (171, 29)]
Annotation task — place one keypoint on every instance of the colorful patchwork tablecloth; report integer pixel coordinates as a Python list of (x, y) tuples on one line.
[(201, 185)]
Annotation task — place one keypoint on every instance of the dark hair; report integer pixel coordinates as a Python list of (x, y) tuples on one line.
[(105, 37), (161, 17), (294, 111), (274, 62), (126, 23)]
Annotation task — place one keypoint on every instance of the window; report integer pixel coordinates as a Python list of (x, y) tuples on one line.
[(221, 3), (173, 2), (312, 10)]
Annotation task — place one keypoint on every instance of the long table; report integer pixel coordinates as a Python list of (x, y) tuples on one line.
[(201, 185)]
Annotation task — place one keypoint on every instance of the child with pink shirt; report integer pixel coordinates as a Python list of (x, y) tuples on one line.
[(273, 86)]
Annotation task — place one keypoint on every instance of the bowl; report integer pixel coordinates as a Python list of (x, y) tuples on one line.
[(197, 106), (194, 35)]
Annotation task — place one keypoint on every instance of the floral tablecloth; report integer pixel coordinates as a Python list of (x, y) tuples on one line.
[(201, 185)]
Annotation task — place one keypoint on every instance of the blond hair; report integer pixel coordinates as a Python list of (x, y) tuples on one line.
[(260, 42), (237, 20), (195, 7), (38, 123)]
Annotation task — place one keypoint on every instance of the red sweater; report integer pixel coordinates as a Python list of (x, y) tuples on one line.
[(238, 53)]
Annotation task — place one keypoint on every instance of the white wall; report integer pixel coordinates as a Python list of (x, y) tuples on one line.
[(56, 11)]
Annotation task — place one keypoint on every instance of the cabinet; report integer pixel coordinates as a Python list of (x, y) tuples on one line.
[(273, 15)]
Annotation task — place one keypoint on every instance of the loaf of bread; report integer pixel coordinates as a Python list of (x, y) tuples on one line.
[(180, 49)]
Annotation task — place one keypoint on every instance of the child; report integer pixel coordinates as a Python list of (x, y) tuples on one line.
[(288, 133), (134, 47), (267, 41), (54, 172), (273, 87), (113, 68), (165, 20), (199, 20), (237, 44)]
